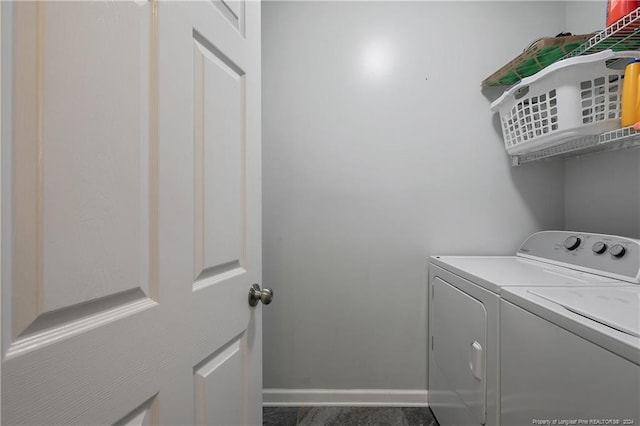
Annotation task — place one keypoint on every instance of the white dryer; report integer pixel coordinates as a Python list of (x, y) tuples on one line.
[(464, 377)]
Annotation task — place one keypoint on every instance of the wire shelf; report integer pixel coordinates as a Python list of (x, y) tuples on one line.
[(622, 35), (622, 138)]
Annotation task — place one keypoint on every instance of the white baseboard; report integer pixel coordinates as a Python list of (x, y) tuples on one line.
[(341, 397)]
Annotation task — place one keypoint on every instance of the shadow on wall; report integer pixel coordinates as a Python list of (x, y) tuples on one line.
[(526, 177), (602, 193), (602, 190)]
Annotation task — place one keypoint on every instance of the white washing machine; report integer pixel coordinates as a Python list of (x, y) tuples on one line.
[(464, 374), (570, 356)]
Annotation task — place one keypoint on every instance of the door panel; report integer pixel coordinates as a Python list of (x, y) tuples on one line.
[(459, 345), (220, 148), (233, 10), (95, 186), (224, 404), (144, 415), (133, 205), (82, 208)]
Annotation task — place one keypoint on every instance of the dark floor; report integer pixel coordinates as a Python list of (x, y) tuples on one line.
[(348, 416)]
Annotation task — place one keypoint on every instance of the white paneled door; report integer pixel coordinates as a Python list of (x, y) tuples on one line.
[(131, 212)]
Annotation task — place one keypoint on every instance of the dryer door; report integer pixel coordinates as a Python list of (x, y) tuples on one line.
[(459, 333)]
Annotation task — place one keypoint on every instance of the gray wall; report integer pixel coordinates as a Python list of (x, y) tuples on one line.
[(602, 190), (603, 193), (584, 17), (379, 151)]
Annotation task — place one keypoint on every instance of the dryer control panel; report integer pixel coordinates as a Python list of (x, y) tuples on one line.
[(606, 255)]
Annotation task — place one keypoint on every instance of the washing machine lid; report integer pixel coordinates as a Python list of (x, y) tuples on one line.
[(495, 272), (607, 316), (618, 308)]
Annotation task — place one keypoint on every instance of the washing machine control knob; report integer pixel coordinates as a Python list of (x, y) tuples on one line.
[(599, 247), (572, 243), (617, 250)]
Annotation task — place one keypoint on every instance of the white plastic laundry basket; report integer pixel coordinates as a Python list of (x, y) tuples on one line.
[(575, 97)]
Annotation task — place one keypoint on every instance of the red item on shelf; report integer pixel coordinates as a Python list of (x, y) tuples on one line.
[(617, 9)]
